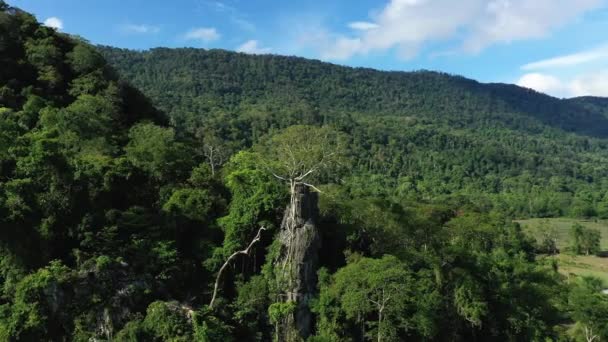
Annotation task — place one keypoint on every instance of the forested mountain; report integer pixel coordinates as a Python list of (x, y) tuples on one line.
[(260, 198), (424, 134), (185, 81)]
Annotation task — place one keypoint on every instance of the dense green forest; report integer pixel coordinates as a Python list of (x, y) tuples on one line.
[(193, 195), (421, 135)]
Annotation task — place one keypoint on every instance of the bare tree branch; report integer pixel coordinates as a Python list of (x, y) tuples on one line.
[(312, 187), (299, 178), (234, 255), (279, 177)]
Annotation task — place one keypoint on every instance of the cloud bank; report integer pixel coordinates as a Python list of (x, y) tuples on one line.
[(586, 84), (584, 73), (406, 25)]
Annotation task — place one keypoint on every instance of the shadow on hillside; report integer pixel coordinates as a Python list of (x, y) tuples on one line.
[(568, 115)]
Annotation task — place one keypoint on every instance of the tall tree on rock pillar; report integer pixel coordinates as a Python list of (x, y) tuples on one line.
[(303, 157)]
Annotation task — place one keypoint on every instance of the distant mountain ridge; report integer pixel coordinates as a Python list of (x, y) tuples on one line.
[(170, 76)]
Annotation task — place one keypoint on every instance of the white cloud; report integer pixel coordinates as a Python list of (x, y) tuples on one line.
[(408, 24), (205, 34), (251, 46), (505, 21), (362, 25), (586, 84), (54, 22), (594, 84), (584, 73), (142, 29), (571, 60), (543, 83)]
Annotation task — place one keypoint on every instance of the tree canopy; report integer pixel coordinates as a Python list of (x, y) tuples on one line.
[(118, 207)]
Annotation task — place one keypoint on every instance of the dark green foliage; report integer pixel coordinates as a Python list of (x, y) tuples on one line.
[(36, 310), (87, 166), (223, 79), (113, 223)]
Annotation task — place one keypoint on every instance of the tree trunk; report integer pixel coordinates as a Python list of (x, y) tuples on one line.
[(297, 264), (379, 325)]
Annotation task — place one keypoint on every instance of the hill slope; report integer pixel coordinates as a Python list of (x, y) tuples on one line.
[(426, 134), (81, 228), (175, 78)]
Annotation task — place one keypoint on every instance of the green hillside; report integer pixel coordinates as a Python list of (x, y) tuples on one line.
[(424, 135), (190, 81), (273, 198)]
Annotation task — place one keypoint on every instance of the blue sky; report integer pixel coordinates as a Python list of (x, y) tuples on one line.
[(555, 46)]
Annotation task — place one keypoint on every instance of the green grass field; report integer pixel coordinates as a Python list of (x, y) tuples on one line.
[(563, 225), (579, 265)]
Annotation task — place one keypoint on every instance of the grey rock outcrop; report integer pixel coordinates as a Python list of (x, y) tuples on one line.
[(298, 261)]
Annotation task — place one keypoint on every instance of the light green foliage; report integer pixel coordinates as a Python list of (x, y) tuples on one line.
[(583, 205), (379, 297), (29, 115), (44, 54), (469, 301), (153, 149), (89, 117), (164, 322), (589, 307), (131, 332), (88, 84), (563, 227), (256, 196), (306, 153), (585, 240), (497, 287), (602, 207), (12, 270), (15, 199), (41, 52), (167, 322), (278, 311), (547, 237), (84, 59), (191, 203)]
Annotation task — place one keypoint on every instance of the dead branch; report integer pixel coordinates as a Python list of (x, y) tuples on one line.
[(312, 187), (279, 177), (234, 255)]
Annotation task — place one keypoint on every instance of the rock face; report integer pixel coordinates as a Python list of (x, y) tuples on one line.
[(298, 261)]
